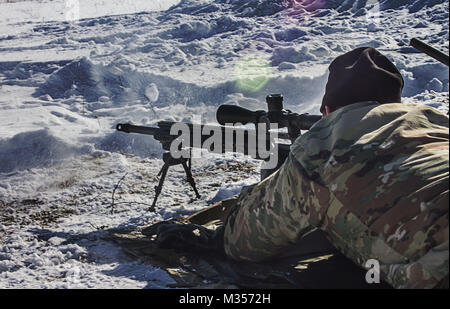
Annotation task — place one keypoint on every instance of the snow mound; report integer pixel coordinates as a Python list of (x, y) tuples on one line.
[(246, 8), (429, 76), (291, 54), (80, 77), (95, 82), (197, 30), (35, 149), (256, 8), (345, 5)]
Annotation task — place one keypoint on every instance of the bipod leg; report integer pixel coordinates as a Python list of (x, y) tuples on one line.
[(190, 179), (158, 188)]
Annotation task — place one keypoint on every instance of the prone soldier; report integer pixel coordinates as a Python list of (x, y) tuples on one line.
[(372, 174)]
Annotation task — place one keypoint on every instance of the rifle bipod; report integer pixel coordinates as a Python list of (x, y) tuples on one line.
[(168, 162)]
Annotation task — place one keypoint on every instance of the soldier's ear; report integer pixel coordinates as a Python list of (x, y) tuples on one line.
[(327, 110)]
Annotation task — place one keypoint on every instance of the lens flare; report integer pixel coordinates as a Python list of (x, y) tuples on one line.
[(252, 73)]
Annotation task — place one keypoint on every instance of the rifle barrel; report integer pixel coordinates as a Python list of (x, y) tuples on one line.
[(129, 128), (430, 51)]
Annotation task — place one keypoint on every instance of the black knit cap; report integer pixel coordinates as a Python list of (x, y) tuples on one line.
[(363, 74)]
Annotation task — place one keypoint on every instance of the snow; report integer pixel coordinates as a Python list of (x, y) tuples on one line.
[(71, 70), (63, 10)]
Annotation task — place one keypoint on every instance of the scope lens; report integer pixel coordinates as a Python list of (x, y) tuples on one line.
[(274, 102)]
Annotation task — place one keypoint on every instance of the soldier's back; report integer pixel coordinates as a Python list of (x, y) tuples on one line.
[(384, 170)]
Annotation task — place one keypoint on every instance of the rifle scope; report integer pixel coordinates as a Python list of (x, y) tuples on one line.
[(232, 114)]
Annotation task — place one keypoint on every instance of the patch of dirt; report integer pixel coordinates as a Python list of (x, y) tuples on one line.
[(22, 212), (235, 169), (47, 217)]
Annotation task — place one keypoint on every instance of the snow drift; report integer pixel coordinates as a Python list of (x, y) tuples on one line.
[(35, 149)]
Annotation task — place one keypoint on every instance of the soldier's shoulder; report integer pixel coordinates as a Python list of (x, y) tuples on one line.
[(340, 124), (361, 122), (351, 121)]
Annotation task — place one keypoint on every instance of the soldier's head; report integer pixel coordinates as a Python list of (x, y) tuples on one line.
[(363, 74)]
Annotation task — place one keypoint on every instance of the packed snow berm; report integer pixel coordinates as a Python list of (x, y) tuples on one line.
[(64, 85)]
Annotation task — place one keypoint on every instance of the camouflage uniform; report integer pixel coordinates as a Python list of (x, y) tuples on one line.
[(374, 177)]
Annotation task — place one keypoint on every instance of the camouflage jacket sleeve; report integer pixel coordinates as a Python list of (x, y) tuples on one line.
[(272, 214), (374, 178)]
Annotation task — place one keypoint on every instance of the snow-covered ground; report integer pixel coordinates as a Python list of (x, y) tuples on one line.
[(65, 83)]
